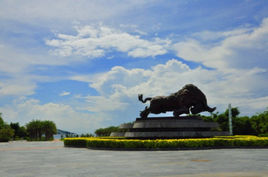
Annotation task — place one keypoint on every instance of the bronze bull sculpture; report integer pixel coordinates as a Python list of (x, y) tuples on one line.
[(188, 99)]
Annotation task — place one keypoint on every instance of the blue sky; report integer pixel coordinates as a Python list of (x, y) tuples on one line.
[(83, 63)]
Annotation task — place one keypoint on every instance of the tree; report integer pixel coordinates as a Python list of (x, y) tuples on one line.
[(15, 127), (223, 121), (49, 129), (255, 125), (259, 123), (6, 133), (242, 126), (87, 135), (106, 131), (1, 121), (34, 129), (235, 112), (37, 128), (22, 133)]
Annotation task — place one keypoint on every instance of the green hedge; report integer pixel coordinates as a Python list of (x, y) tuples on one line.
[(218, 142), (75, 142)]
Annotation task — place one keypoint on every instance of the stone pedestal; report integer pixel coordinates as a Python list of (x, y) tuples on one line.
[(170, 127)]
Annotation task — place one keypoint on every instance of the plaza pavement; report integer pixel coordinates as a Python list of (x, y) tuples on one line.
[(51, 159)]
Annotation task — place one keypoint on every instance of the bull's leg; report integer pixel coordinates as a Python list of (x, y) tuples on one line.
[(178, 112), (209, 109), (200, 108), (145, 112)]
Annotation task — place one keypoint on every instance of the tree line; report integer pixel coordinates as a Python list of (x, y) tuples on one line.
[(36, 130), (242, 125), (44, 130)]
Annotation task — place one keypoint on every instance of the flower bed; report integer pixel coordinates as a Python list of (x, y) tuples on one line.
[(122, 143)]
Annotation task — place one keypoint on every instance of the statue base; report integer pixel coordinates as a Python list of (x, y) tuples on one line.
[(170, 127)]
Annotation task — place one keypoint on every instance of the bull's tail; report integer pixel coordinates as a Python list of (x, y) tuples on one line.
[(140, 97)]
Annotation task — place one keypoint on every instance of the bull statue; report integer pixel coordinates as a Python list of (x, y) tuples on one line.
[(188, 99)]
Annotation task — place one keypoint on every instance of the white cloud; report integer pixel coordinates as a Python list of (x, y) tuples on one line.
[(238, 58), (65, 117), (14, 69), (240, 48), (96, 41), (64, 93), (119, 87), (17, 86), (44, 12), (19, 70), (16, 61), (210, 35)]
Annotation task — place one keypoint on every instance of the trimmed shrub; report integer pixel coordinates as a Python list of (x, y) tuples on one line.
[(75, 142), (218, 142)]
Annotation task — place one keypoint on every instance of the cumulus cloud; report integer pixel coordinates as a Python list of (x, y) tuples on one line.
[(46, 11), (119, 87), (17, 86), (238, 73), (66, 117), (19, 70), (96, 41), (239, 48)]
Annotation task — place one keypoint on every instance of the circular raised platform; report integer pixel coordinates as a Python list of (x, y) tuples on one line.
[(169, 127), (171, 122), (117, 134), (174, 134)]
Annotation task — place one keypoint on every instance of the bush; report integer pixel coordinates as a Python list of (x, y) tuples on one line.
[(263, 135), (75, 142), (218, 142)]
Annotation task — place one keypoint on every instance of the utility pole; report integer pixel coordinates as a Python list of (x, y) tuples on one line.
[(230, 120)]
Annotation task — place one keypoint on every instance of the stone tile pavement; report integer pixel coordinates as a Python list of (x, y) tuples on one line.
[(51, 159)]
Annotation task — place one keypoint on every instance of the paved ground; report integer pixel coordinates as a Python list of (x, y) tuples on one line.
[(51, 159)]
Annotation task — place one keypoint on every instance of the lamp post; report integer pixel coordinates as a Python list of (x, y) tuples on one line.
[(230, 120)]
